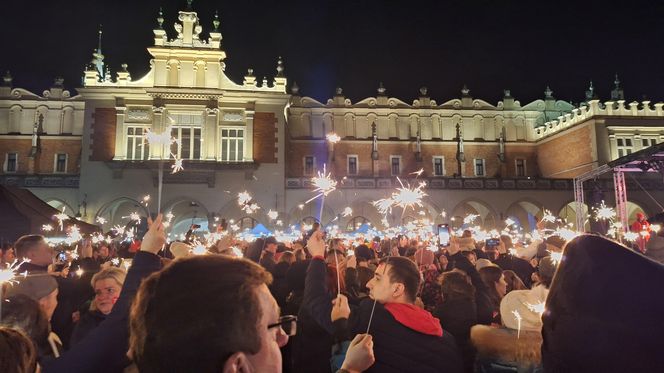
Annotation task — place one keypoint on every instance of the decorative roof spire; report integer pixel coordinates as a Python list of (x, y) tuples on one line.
[(7, 79), (381, 89), (507, 93), (548, 93), (99, 45), (160, 19), (215, 22), (58, 82), (189, 8), (424, 91), (590, 93), (295, 89), (465, 92), (338, 91), (617, 82), (280, 67), (617, 93)]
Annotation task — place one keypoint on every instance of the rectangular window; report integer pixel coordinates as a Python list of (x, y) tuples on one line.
[(309, 165), (61, 163), (438, 166), (352, 165), (187, 130), (395, 162), (137, 145), (624, 146), (479, 167), (520, 167), (11, 164), (648, 142), (232, 144)]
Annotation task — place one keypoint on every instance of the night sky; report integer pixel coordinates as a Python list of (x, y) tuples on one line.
[(488, 45)]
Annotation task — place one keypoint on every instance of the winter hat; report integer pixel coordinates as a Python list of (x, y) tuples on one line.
[(35, 286), (528, 303), (601, 312), (481, 263)]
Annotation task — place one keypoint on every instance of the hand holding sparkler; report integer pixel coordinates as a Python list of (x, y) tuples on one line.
[(316, 244), (340, 308), (155, 238), (360, 354)]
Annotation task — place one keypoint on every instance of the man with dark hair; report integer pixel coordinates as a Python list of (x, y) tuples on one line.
[(406, 337), (34, 249)]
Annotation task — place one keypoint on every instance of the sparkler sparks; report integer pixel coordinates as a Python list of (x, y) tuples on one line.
[(324, 184), (347, 212), (100, 220), (631, 236), (418, 172), (47, 227), (245, 200), (537, 307), (134, 216), (404, 197), (556, 257), (333, 138), (145, 200), (603, 212), (547, 217), (177, 165), (470, 218), (517, 316), (272, 214), (61, 218)]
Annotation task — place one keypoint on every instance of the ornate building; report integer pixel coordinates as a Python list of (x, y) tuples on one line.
[(495, 161)]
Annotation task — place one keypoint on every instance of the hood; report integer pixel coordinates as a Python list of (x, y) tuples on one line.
[(415, 318)]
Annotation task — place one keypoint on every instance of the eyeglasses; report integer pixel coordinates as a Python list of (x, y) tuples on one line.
[(288, 323)]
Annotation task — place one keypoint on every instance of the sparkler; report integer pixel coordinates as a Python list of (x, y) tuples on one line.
[(8, 276), (164, 139), (517, 316), (347, 212), (47, 227), (470, 218), (145, 200), (61, 218), (325, 185), (100, 220), (115, 261), (547, 217), (333, 138), (537, 307), (631, 236), (272, 214), (404, 197), (604, 212), (556, 257)]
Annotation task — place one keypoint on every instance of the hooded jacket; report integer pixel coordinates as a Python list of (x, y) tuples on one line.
[(406, 338)]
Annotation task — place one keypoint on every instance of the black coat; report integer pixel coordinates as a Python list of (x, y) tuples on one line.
[(397, 348), (458, 316), (483, 302), (88, 322), (520, 266)]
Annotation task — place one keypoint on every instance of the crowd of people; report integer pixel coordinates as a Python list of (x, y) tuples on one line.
[(327, 304)]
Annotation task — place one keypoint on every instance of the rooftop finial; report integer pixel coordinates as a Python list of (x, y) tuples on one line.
[(465, 92), (295, 90), (216, 22), (160, 19), (339, 91), (548, 93), (58, 82), (381, 89), (424, 91), (617, 81), (507, 93), (189, 9), (7, 79), (99, 45), (280, 67)]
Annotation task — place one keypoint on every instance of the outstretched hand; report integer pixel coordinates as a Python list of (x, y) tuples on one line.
[(360, 354), (155, 238)]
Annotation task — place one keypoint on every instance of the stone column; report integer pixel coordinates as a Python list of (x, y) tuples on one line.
[(120, 134), (210, 134), (249, 136), (157, 152)]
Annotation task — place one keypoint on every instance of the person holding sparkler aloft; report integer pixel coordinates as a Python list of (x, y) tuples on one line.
[(406, 338)]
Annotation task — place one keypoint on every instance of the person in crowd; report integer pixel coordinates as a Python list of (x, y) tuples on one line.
[(101, 254), (442, 263), (363, 251), (493, 278), (406, 338), (268, 256), (601, 313), (402, 244), (507, 260), (430, 289), (458, 312), (239, 327), (107, 285), (655, 247), (279, 287), (24, 313), (288, 257), (17, 352), (471, 256), (300, 254), (513, 281), (7, 257), (642, 227)]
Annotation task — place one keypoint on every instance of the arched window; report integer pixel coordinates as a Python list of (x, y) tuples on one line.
[(356, 222)]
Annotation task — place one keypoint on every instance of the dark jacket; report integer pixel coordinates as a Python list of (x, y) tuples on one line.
[(279, 287), (88, 322), (521, 267), (457, 316), (397, 347), (483, 301), (104, 349)]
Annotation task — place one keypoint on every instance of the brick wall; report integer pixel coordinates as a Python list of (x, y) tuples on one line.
[(573, 150), (265, 138), (44, 162), (102, 146)]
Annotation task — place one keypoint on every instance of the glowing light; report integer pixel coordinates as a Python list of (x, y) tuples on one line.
[(145, 200), (177, 165), (324, 184), (156, 138), (470, 218), (100, 220), (272, 214), (8, 275), (199, 250), (547, 217), (47, 227), (417, 173), (301, 206), (655, 228), (347, 212), (61, 218), (517, 316), (512, 251), (333, 138), (134, 216), (115, 261), (604, 212), (556, 257), (631, 236), (537, 307)]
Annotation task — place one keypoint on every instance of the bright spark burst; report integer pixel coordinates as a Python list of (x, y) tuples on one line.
[(556, 257), (61, 218), (156, 138), (347, 212), (509, 222), (199, 249), (79, 272), (470, 218), (237, 252), (8, 275), (655, 228), (418, 172), (100, 220), (536, 308), (134, 216), (145, 200), (47, 227), (243, 198), (279, 223), (333, 138), (301, 206), (272, 214), (603, 212), (631, 236), (512, 251), (115, 261), (177, 165), (404, 197), (324, 184), (547, 217)]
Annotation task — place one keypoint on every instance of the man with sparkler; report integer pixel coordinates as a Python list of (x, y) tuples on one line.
[(406, 337)]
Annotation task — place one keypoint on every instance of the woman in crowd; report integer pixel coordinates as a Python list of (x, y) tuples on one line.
[(17, 352), (107, 285), (493, 278), (513, 281)]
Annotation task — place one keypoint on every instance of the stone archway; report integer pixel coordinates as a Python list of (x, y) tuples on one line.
[(487, 217)]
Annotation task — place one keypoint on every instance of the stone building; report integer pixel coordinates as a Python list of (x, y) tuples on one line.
[(89, 152)]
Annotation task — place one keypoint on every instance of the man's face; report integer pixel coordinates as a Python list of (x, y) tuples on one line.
[(9, 255), (103, 252), (48, 303), (271, 247), (403, 241), (380, 287), (41, 254), (268, 358)]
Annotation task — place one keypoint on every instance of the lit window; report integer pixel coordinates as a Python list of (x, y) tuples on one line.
[(438, 166), (309, 165), (624, 146), (187, 130), (12, 162), (520, 167), (61, 163), (352, 165), (137, 145), (232, 145), (479, 167), (395, 162)]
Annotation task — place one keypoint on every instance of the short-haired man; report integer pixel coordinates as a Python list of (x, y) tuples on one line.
[(35, 251), (406, 337)]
